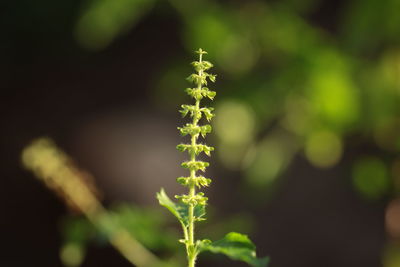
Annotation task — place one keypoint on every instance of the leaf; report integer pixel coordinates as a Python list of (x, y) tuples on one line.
[(199, 212), (146, 225), (180, 210), (237, 247), (165, 201)]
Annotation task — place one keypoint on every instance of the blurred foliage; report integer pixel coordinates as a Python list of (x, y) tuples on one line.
[(294, 87), (293, 84), (76, 187), (136, 232), (370, 177), (147, 225), (392, 255), (102, 21)]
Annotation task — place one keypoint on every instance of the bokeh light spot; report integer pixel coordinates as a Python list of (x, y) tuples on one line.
[(297, 117), (323, 149), (387, 134), (395, 171), (234, 125), (213, 25), (370, 177), (234, 122), (392, 218), (392, 256), (333, 94), (71, 255), (268, 159), (104, 20), (238, 55)]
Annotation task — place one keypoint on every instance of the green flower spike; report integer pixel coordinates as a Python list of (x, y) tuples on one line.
[(191, 206)]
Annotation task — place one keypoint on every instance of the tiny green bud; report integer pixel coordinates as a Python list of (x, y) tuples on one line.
[(201, 52)]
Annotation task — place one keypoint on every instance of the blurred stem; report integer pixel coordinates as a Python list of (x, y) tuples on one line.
[(53, 167)]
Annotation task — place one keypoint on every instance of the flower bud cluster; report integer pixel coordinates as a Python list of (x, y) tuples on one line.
[(196, 113)]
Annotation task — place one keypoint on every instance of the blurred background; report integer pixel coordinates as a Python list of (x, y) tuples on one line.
[(307, 126)]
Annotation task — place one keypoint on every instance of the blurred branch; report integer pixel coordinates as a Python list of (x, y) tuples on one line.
[(53, 167)]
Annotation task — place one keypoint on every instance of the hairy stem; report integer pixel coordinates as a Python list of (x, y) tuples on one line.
[(191, 249), (192, 261)]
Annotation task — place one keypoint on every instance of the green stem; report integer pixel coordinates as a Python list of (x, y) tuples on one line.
[(190, 247), (191, 253), (192, 261)]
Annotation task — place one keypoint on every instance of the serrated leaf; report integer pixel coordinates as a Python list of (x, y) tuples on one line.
[(180, 210), (237, 247)]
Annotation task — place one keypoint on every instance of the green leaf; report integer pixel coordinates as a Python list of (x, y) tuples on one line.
[(237, 247), (165, 201), (199, 212), (181, 210)]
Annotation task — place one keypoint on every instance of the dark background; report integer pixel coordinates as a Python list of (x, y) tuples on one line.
[(108, 94)]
